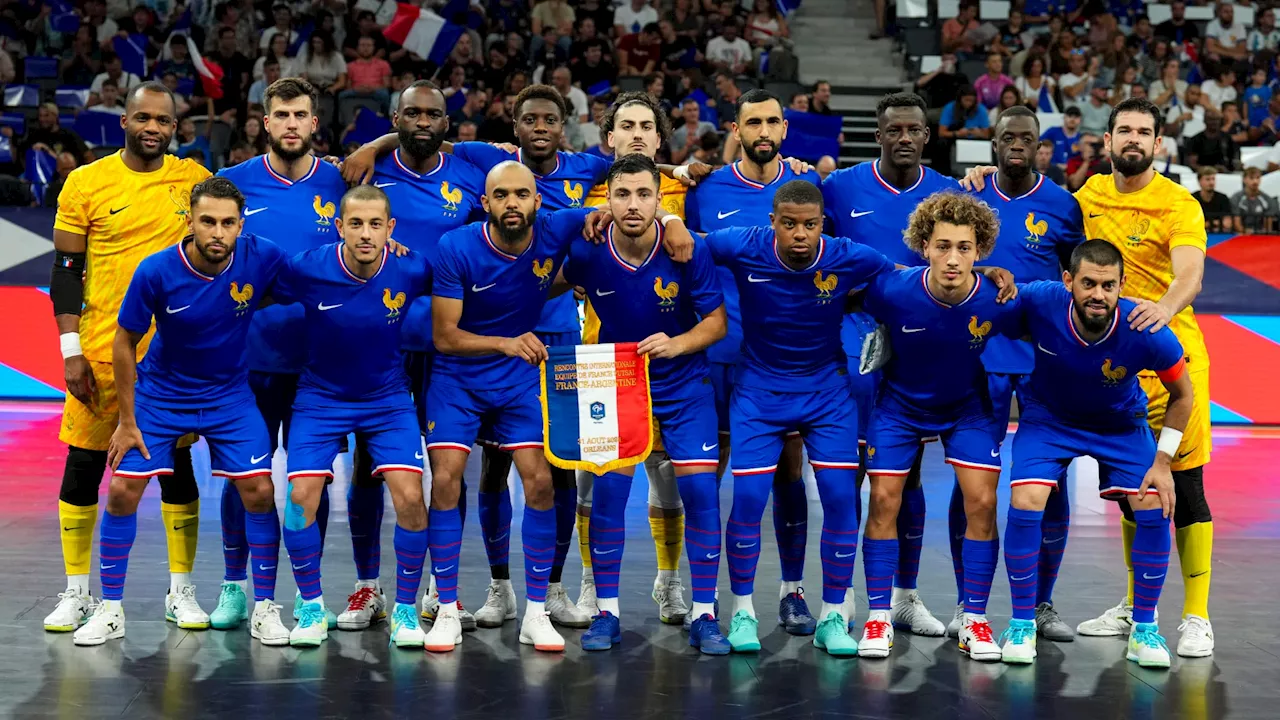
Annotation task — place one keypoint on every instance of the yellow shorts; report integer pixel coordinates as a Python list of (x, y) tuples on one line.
[(91, 426), (1197, 438)]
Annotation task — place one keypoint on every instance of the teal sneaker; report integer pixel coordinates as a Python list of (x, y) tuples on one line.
[(330, 619), (1018, 643), (405, 630), (833, 636), (1147, 647), (233, 608), (744, 634), (311, 629)]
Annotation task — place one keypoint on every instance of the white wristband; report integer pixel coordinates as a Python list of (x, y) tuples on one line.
[(1170, 439), (668, 218), (70, 343), (681, 172)]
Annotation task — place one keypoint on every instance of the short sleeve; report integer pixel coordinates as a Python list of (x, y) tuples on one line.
[(984, 120), (873, 297), (448, 269), (707, 295), (289, 282), (722, 245), (574, 262), (948, 115), (272, 260), (1073, 233), (73, 208), (1166, 352), (482, 155), (565, 226), (692, 215), (139, 305), (867, 264), (597, 166), (830, 198), (1186, 227)]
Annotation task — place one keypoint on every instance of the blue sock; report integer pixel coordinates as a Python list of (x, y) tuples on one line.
[(701, 532), (304, 555), (878, 560), (322, 516), (444, 528), (539, 536), (411, 552), (494, 509), (566, 507), (1151, 543), (235, 553), (115, 540), (742, 532), (1053, 544), (910, 537), (790, 525), (980, 558), (262, 530), (608, 530), (1022, 560), (957, 526), (365, 507), (837, 488)]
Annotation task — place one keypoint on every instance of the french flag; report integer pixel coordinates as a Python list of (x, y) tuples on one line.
[(210, 71), (423, 33), (596, 408)]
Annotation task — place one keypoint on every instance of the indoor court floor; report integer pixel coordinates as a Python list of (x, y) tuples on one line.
[(160, 671)]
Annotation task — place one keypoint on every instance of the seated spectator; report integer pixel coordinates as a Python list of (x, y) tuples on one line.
[(113, 69), (366, 26), (1092, 160), (369, 76), (1066, 138), (708, 150), (765, 27), (1233, 125), (1044, 12), (1036, 88), (82, 61), (66, 163), (228, 14), (1127, 13), (1225, 36), (1177, 28), (48, 135), (799, 102), (1264, 37), (399, 82), (679, 52), (515, 82), (1143, 35), (143, 22), (178, 61), (270, 74), (727, 95), (1061, 50), (1212, 147), (638, 53), (1256, 98), (555, 14), (1076, 83), (1123, 89), (1013, 37), (109, 100), (321, 64), (728, 52), (686, 136), (956, 31), (964, 119), (1096, 113), (1153, 62), (1214, 92), (1046, 166), (1169, 89), (279, 51), (631, 18), (467, 132), (826, 165), (820, 98), (1181, 113), (498, 125), (495, 71), (236, 70), (1008, 98), (472, 110), (686, 19), (251, 133), (990, 86), (455, 90), (240, 152), (102, 27), (576, 100), (548, 56), (464, 55), (186, 142), (1217, 208), (1257, 212), (283, 18), (1265, 132), (594, 71), (182, 101)]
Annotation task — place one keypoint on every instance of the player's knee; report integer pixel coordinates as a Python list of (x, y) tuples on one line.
[(1028, 497), (411, 513), (257, 493), (304, 493), (82, 476), (1191, 507), (124, 494)]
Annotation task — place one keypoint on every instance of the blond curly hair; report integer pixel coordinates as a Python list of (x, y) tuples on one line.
[(955, 209)]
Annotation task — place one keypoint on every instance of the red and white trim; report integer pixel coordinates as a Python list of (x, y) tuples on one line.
[(342, 262), (394, 467), (488, 239), (315, 164), (696, 463), (527, 445), (755, 471), (818, 465), (405, 168), (617, 257), (520, 159), (995, 183), (1111, 493), (924, 283), (737, 172), (875, 170), (972, 465), (240, 475), (890, 473), (1071, 323), (1034, 481), (448, 446), (147, 474), (817, 257), (310, 473), (186, 262)]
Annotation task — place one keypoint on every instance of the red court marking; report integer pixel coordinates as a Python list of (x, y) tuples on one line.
[(1253, 255), (1240, 364), (27, 320)]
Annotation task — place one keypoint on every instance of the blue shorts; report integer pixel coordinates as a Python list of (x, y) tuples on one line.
[(387, 426), (893, 440), (237, 437), (1001, 387), (274, 394), (688, 427), (512, 416), (1042, 450), (722, 375), (762, 419)]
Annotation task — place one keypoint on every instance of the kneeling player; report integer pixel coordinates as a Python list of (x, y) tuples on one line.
[(194, 379), (1084, 398), (355, 294)]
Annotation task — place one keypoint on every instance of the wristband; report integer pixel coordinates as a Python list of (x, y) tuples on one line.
[(681, 173), (70, 343), (668, 218), (1170, 439)]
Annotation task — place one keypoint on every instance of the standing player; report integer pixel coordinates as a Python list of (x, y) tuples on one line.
[(290, 198), (674, 311), (355, 294), (938, 318), (1085, 398), (201, 296), (112, 214), (740, 195), (792, 379), (872, 203)]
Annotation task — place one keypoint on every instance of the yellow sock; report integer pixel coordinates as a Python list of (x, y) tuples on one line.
[(77, 536), (1127, 531), (182, 528), (1195, 553), (584, 539), (668, 539)]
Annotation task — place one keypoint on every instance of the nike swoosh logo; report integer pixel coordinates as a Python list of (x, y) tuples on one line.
[(266, 568), (417, 455), (302, 567), (256, 460), (1196, 575), (875, 597), (797, 524), (382, 185), (1152, 577), (105, 567), (906, 329), (477, 288), (541, 569), (183, 527), (73, 527), (499, 538), (173, 311), (975, 601), (1047, 541), (753, 278), (1182, 456), (995, 453), (844, 555), (322, 307), (604, 552), (1046, 352), (602, 293), (1095, 215), (113, 212), (723, 215), (856, 214), (443, 569), (716, 555), (914, 537), (413, 572), (1024, 577), (708, 448), (740, 546), (255, 211)]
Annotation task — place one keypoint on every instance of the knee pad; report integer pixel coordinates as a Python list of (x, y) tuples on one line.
[(180, 487), (664, 491), (586, 481), (82, 476), (1191, 506)]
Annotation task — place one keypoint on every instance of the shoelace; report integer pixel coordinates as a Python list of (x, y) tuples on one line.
[(405, 616), (1149, 638), (358, 599), (981, 632), (675, 592), (876, 629), (228, 593), (1194, 623), (310, 614), (187, 598), (494, 598), (1018, 634)]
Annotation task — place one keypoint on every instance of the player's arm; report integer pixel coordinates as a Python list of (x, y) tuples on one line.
[(452, 340), (1178, 412), (66, 290), (710, 330), (1188, 276), (124, 366)]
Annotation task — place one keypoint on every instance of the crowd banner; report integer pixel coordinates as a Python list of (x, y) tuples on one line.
[(597, 414)]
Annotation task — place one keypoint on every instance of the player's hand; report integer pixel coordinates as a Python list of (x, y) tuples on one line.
[(579, 293), (527, 347), (124, 439), (975, 179), (333, 160), (660, 347), (1004, 281), (80, 381), (396, 248), (798, 166), (1160, 477), (357, 169), (678, 241), (507, 148), (1147, 314), (596, 223), (691, 173)]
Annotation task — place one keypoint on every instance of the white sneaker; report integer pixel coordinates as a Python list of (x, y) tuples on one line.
[(1197, 637), (670, 598), (406, 632), (909, 612), (499, 606), (365, 606), (312, 628), (977, 641), (957, 622), (565, 613), (877, 636), (1147, 647), (1112, 623), (181, 608), (71, 612), (265, 624), (431, 606), (446, 633), (106, 623), (587, 598), (536, 630), (1019, 642)]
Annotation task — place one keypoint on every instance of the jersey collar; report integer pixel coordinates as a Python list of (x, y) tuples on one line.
[(186, 262), (315, 164), (817, 257), (617, 256), (488, 239), (342, 263), (924, 283), (995, 183), (737, 172), (559, 164), (416, 176), (1071, 324), (875, 170)]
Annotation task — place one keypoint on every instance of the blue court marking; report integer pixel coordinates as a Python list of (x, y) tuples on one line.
[(15, 384), (1268, 326), (1218, 238), (1220, 414)]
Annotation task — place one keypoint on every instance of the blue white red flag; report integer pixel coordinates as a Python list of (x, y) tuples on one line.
[(597, 414)]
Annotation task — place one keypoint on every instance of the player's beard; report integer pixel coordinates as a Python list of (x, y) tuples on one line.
[(1091, 323), (290, 154), (133, 142), (1016, 172), (1130, 168), (510, 235), (760, 157), (418, 148), (214, 260)]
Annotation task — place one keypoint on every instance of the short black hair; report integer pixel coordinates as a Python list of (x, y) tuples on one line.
[(636, 97), (217, 187), (291, 88), (420, 84), (751, 97), (797, 192), (364, 192), (540, 92), (1098, 252), (633, 164), (1139, 105), (901, 100), (1019, 111), (150, 86), (652, 28)]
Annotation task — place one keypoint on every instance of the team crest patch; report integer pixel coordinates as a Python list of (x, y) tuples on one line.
[(452, 196), (1137, 230), (181, 199), (597, 411), (392, 303), (825, 285), (573, 191), (1112, 375), (666, 293), (1035, 230), (324, 211), (978, 331), (242, 296), (543, 271), (431, 426)]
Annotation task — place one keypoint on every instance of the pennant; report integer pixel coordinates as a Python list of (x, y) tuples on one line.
[(423, 33), (597, 413)]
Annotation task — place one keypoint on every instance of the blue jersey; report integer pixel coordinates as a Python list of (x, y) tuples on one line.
[(1037, 229), (728, 199), (658, 296), (863, 206), (298, 215), (937, 347), (1089, 385), (425, 208), (794, 343), (197, 358), (564, 188), (352, 324), (1062, 144), (502, 294)]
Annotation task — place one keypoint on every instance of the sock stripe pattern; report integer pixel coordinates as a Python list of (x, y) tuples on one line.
[(608, 531), (1150, 555), (495, 525), (742, 532), (878, 560), (115, 540), (235, 549), (262, 532), (444, 528), (365, 508), (539, 537), (1022, 550), (701, 533), (980, 559), (957, 525), (411, 552), (910, 537), (839, 542), (304, 548), (1053, 543), (790, 525)]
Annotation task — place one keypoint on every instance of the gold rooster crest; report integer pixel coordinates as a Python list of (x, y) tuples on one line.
[(452, 196), (542, 270), (241, 296), (825, 285), (1037, 230), (1137, 230), (666, 293), (324, 212), (978, 331), (1112, 376), (574, 193), (181, 198), (431, 426), (392, 303), (871, 451)]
